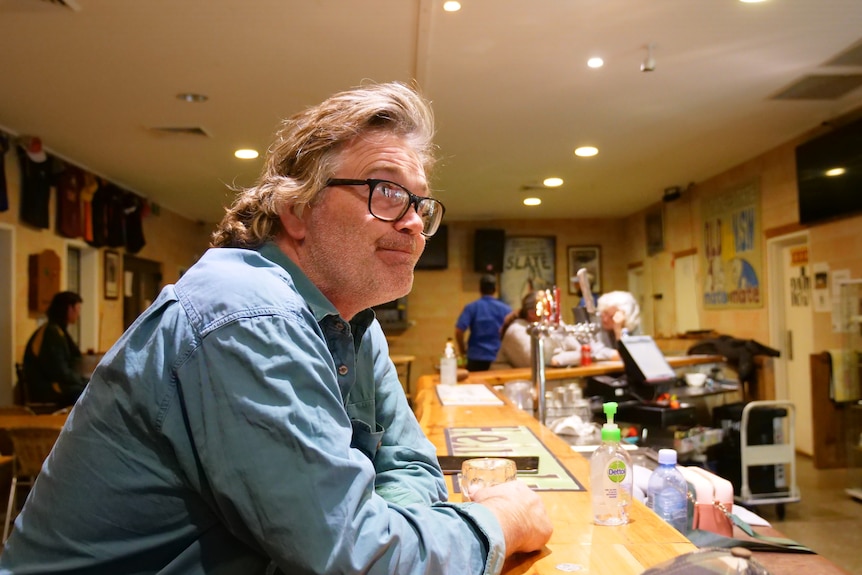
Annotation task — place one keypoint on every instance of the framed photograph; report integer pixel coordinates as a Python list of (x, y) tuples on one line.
[(528, 265), (589, 257), (112, 274), (654, 231)]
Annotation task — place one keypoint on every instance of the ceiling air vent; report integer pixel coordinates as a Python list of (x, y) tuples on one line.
[(38, 5), (852, 56), (821, 87), (180, 130), (70, 4)]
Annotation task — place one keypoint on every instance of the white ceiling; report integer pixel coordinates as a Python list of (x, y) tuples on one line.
[(508, 80)]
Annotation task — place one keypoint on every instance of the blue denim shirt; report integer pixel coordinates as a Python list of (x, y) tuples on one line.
[(240, 425)]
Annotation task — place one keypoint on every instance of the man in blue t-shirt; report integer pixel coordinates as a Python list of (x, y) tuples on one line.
[(483, 318)]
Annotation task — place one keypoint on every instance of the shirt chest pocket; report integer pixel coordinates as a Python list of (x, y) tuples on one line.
[(365, 439)]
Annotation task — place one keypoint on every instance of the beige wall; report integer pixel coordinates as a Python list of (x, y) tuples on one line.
[(439, 295), (172, 240), (837, 243)]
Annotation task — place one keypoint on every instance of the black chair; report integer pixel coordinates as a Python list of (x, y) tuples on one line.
[(22, 393)]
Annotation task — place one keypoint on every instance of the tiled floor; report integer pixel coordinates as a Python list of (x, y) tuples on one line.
[(826, 519)]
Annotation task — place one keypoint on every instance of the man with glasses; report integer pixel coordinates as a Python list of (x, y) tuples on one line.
[(251, 420)]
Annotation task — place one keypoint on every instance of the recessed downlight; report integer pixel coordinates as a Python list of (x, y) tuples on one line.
[(595, 62), (586, 151), (192, 97), (553, 182), (246, 154), (836, 172), (451, 6), (532, 201)]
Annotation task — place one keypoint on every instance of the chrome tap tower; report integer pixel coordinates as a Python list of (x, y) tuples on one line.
[(549, 323)]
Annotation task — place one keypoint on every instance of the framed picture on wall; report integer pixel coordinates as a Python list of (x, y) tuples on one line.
[(654, 231), (112, 274), (589, 257), (528, 265)]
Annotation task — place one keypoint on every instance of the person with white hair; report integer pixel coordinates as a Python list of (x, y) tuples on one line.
[(619, 311)]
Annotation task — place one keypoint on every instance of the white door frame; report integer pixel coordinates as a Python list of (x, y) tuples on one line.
[(89, 292), (7, 318), (777, 285)]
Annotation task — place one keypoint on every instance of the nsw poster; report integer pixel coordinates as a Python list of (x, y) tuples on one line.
[(732, 249)]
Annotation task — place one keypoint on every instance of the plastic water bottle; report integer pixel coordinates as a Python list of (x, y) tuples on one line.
[(610, 475), (449, 364), (666, 493)]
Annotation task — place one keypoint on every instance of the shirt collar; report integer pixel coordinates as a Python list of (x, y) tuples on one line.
[(320, 306)]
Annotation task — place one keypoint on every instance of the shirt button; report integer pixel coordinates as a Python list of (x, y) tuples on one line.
[(342, 370)]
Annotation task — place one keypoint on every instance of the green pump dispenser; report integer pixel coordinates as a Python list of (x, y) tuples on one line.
[(610, 430)]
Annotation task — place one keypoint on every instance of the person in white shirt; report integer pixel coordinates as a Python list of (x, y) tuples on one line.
[(560, 348)]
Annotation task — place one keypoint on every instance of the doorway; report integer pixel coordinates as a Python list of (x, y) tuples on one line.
[(790, 329), (685, 292), (142, 280), (82, 277), (636, 288)]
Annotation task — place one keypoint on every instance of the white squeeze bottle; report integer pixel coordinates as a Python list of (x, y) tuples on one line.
[(449, 364), (611, 475)]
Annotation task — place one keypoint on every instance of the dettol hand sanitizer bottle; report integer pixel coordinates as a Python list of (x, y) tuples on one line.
[(611, 475)]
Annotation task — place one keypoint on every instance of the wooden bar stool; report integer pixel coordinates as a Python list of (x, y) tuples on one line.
[(31, 446), (402, 365)]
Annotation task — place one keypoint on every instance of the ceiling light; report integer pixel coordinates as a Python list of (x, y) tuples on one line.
[(451, 6), (835, 172), (246, 154), (595, 62), (192, 97), (586, 151), (553, 182), (532, 201), (751, 1)]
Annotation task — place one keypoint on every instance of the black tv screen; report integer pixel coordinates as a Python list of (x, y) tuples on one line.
[(436, 254), (829, 175)]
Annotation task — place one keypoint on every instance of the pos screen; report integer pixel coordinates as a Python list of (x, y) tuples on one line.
[(644, 361)]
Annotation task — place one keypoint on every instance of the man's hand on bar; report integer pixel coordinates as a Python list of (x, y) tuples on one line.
[(521, 513)]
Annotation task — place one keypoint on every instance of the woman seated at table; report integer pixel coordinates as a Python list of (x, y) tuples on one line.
[(560, 349), (620, 313), (52, 360)]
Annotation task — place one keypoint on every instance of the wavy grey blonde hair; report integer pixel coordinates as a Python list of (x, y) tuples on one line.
[(305, 154), (626, 303)]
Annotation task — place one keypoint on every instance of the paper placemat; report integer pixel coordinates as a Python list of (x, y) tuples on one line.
[(467, 394), (513, 440)]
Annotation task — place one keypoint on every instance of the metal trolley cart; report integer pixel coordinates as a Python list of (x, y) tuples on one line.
[(778, 458)]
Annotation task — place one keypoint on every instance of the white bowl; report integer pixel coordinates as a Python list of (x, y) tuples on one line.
[(695, 379)]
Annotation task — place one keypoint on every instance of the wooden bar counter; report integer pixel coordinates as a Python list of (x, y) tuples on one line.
[(577, 544), (499, 376)]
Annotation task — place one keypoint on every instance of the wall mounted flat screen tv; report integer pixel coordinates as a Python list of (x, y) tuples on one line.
[(436, 254), (829, 175)]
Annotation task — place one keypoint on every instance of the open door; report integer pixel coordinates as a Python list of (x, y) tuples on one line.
[(142, 280)]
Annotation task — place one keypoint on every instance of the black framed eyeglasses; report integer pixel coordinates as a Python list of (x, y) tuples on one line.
[(389, 202)]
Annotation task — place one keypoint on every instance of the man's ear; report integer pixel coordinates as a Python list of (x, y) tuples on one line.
[(294, 225)]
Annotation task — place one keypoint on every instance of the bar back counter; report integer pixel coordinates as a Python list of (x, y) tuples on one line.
[(577, 545)]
